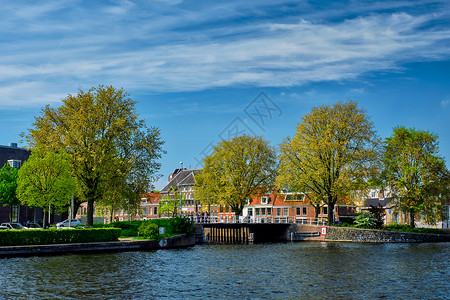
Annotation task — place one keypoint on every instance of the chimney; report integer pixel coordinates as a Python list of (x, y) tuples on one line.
[(13, 145)]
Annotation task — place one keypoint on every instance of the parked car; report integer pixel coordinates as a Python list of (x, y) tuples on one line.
[(65, 223), (12, 226), (33, 225)]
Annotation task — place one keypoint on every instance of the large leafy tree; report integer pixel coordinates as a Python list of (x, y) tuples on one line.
[(108, 146), (237, 169), (8, 185), (335, 150), (415, 173), (45, 180)]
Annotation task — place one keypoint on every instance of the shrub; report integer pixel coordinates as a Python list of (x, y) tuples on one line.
[(149, 230), (365, 220), (407, 228), (183, 225), (60, 236)]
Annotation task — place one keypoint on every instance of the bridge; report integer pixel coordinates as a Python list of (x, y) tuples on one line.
[(244, 233)]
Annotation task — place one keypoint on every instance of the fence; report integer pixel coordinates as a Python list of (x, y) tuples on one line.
[(274, 220)]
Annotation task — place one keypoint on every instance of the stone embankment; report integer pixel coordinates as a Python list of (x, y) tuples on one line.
[(178, 241), (345, 234)]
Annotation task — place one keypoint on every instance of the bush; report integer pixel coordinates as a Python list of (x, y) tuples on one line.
[(149, 230), (365, 220), (173, 226), (407, 228), (60, 236)]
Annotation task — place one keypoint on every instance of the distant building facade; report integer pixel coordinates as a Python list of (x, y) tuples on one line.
[(15, 157)]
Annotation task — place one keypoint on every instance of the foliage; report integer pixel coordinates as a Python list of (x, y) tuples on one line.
[(44, 237), (334, 152), (365, 220), (378, 212), (112, 153), (149, 230), (8, 185), (407, 228), (417, 176), (237, 169), (170, 204), (173, 226), (45, 180)]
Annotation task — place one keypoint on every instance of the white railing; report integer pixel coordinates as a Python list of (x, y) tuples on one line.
[(258, 219)]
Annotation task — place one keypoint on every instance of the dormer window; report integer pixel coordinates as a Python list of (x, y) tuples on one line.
[(265, 199), (14, 163)]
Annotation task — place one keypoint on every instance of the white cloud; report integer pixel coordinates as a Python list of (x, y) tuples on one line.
[(178, 50), (445, 103)]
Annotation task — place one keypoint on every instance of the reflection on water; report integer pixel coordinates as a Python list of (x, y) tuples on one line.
[(270, 271)]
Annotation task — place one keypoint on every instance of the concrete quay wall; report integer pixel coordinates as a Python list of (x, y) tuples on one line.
[(178, 241), (381, 236), (301, 232)]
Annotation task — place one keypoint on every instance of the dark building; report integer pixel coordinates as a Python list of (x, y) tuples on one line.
[(15, 156)]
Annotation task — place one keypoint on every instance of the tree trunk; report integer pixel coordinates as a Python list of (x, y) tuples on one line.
[(330, 214), (316, 212), (90, 212), (411, 218), (44, 220), (76, 207)]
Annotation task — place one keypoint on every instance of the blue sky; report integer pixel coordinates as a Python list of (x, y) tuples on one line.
[(206, 70)]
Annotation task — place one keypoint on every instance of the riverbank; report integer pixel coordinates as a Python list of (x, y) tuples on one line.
[(174, 242), (347, 234)]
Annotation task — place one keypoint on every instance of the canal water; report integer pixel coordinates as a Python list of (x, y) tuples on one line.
[(262, 271)]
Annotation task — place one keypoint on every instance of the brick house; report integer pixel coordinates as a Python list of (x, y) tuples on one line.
[(184, 180), (277, 207), (148, 210), (290, 208)]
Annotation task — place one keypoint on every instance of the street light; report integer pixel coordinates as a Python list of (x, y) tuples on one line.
[(181, 185)]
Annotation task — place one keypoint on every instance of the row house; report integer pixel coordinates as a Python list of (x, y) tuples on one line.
[(184, 180), (287, 207), (148, 209), (383, 198)]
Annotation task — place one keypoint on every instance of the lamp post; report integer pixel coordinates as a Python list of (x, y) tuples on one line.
[(181, 186)]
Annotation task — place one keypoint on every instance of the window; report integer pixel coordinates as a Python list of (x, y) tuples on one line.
[(257, 211), (286, 211), (278, 211), (269, 211), (324, 210), (144, 211), (263, 211), (297, 211), (374, 195), (302, 221), (14, 163), (265, 199), (295, 197), (250, 212), (305, 211)]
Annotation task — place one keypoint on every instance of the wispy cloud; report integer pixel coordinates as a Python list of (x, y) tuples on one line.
[(166, 47)]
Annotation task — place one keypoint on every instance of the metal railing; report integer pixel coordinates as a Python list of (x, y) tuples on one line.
[(268, 220)]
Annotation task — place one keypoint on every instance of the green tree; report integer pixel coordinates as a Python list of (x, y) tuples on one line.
[(415, 173), (170, 204), (335, 151), (108, 146), (237, 169), (46, 181), (8, 186)]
